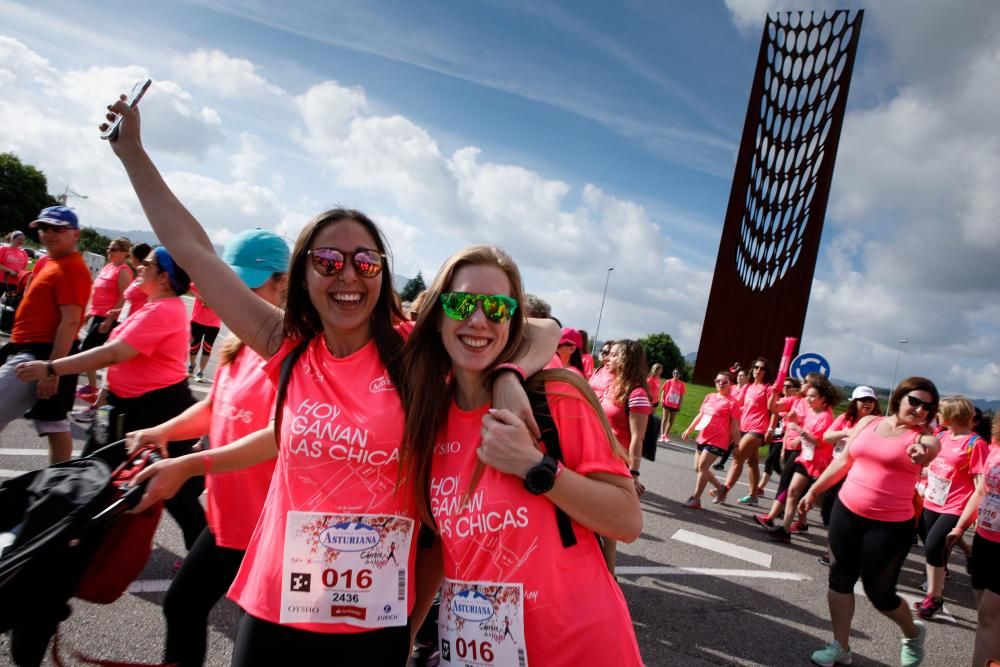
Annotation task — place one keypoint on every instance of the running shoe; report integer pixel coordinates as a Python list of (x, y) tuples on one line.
[(765, 522), (191, 369), (825, 559), (84, 416), (719, 495), (199, 377), (799, 527), (719, 466), (692, 503), (831, 654), (779, 534), (748, 499), (927, 607), (911, 652)]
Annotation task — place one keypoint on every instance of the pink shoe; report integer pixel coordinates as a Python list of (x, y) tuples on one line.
[(88, 393)]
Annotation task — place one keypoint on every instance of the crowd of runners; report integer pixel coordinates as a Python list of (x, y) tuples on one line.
[(368, 467)]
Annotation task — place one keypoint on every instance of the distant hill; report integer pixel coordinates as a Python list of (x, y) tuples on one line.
[(141, 236)]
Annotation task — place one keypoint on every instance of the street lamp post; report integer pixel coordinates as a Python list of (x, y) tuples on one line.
[(593, 345), (67, 193), (895, 371)]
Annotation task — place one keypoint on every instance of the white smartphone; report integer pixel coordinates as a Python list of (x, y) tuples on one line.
[(138, 90)]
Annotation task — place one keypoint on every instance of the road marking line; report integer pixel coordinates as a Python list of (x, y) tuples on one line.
[(24, 451), (149, 585), (710, 572), (723, 547), (942, 615)]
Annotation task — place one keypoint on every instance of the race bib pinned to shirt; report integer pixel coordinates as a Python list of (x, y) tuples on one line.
[(346, 569), (481, 624), (989, 512)]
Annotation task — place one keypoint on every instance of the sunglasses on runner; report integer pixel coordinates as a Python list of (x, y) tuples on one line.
[(760, 368), (461, 305), (917, 403), (331, 261)]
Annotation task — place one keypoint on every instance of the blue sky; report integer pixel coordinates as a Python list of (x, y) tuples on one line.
[(577, 135)]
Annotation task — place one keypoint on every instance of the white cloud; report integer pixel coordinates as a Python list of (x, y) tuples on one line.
[(224, 75), (248, 160)]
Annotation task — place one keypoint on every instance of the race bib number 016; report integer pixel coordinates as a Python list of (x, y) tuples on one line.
[(481, 624), (989, 512), (346, 569)]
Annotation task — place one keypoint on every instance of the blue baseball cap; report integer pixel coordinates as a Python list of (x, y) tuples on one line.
[(56, 215), (255, 255)]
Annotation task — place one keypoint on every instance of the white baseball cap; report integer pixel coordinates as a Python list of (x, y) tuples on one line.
[(863, 392)]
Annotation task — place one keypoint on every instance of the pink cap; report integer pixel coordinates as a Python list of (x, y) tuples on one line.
[(571, 337)]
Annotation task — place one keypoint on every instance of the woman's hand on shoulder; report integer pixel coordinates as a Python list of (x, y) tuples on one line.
[(923, 450), (507, 445)]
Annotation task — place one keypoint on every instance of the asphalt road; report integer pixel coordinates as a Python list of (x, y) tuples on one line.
[(704, 587)]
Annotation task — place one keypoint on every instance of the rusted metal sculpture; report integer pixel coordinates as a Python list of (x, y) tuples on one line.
[(777, 205)]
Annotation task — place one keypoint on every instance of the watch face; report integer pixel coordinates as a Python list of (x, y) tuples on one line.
[(540, 479)]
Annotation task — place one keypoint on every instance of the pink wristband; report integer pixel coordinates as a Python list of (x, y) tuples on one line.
[(511, 367)]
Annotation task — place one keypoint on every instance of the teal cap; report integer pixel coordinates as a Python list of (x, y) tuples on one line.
[(255, 255)]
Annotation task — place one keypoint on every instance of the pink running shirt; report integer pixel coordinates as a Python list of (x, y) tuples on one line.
[(341, 430), (588, 365), (14, 259), (989, 506), (882, 480), (653, 384), (816, 424), (159, 332), (673, 392), (202, 314), (755, 415), (720, 411), (134, 297), (601, 380), (949, 476), (242, 402), (104, 293), (800, 407), (638, 402), (502, 533)]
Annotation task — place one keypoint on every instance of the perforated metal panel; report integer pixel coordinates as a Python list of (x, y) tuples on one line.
[(781, 185)]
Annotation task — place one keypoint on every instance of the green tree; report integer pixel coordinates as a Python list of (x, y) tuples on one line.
[(23, 193), (93, 241), (661, 348), (413, 287)]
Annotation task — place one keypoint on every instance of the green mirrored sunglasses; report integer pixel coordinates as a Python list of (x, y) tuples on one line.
[(461, 305)]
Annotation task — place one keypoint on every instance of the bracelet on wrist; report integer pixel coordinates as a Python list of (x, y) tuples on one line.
[(50, 369), (514, 368), (635, 473)]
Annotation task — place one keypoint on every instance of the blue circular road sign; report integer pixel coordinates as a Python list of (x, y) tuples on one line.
[(809, 362)]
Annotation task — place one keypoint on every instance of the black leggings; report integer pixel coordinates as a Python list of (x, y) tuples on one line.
[(937, 527), (203, 579), (869, 549), (787, 473), (829, 498), (267, 644), (773, 462)]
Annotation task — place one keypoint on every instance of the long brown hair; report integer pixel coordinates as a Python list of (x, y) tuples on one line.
[(427, 389), (303, 321), (632, 372)]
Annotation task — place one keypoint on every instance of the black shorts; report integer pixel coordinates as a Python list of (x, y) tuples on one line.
[(756, 434), (671, 410), (94, 338), (712, 449), (983, 564), (801, 469), (202, 336)]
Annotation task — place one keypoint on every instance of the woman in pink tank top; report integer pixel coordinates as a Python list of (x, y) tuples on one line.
[(872, 523)]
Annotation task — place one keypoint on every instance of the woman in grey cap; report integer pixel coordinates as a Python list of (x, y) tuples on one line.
[(238, 405)]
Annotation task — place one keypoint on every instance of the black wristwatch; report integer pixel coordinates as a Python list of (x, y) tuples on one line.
[(541, 477)]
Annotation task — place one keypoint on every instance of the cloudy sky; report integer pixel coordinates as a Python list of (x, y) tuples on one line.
[(578, 136)]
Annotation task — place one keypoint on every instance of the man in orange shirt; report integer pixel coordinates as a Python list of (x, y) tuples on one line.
[(45, 327)]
